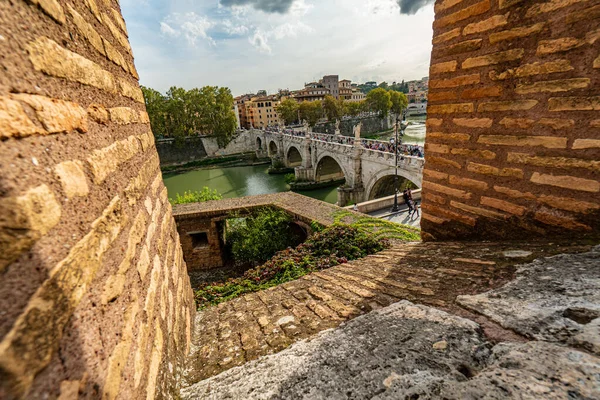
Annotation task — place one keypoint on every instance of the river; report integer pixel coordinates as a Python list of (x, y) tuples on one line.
[(252, 180)]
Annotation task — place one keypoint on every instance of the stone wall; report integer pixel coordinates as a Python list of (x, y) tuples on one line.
[(171, 152), (369, 125), (95, 298), (513, 137)]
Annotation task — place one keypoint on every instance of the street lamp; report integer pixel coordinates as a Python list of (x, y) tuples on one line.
[(403, 126)]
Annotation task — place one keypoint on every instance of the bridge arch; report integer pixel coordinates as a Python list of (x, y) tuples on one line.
[(381, 184), (273, 150), (293, 157), (258, 144), (330, 167)]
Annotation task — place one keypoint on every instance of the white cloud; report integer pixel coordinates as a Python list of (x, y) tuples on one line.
[(260, 41), (167, 30), (191, 25)]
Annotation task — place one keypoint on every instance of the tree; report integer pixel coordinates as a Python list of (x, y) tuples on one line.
[(353, 108), (379, 101), (156, 108), (384, 85), (399, 102), (311, 111), (288, 109), (196, 196), (334, 109)]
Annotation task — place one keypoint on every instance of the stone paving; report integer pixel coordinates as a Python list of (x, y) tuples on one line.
[(434, 274)]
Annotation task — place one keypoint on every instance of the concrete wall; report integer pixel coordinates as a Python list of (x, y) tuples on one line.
[(370, 125), (513, 130), (95, 298), (171, 152)]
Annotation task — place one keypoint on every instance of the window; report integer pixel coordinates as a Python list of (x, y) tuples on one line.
[(199, 239)]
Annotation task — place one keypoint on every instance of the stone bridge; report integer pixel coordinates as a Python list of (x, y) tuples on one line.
[(320, 158)]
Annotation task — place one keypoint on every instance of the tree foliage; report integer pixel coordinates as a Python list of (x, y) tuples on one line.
[(333, 108), (399, 102), (196, 196), (379, 101), (180, 113), (353, 108), (288, 110), (311, 111)]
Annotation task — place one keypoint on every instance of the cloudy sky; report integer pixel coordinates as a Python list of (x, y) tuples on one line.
[(248, 45)]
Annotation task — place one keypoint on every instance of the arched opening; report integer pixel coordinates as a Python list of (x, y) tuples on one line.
[(385, 186), (294, 158), (272, 149), (329, 170), (258, 144)]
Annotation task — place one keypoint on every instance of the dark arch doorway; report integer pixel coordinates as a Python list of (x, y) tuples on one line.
[(385, 186), (328, 170), (258, 144), (294, 158), (272, 149)]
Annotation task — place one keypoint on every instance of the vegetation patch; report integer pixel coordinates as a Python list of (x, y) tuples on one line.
[(196, 196), (380, 228), (331, 246)]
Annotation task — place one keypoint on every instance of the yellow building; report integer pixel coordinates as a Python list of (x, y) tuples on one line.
[(261, 112)]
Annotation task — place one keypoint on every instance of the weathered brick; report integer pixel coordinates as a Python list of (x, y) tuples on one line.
[(72, 178), (459, 48), (114, 55), (24, 220), (435, 220), (443, 161), (569, 204), (590, 13), (144, 117), (52, 8), (56, 115), (105, 161), (435, 174), (155, 361), (560, 85), (493, 59), (508, 3), (489, 170), (552, 218), (456, 81), (116, 33), (94, 9), (465, 13), (486, 25), (517, 123), (503, 205), (461, 194), (566, 182), (478, 211), (553, 162), (574, 103), (132, 91), (441, 96), (40, 325), (454, 108), (597, 62), (485, 154), (98, 113), (586, 144), (515, 105), (490, 91), (428, 209), (470, 183), (136, 186), (536, 68), (434, 122), (444, 37), (550, 5), (436, 199), (549, 142), (516, 33), (14, 122), (123, 115), (437, 148), (88, 32), (119, 20), (455, 137), (145, 140), (443, 67), (557, 123), (47, 56), (473, 122), (446, 4), (558, 45), (515, 194)]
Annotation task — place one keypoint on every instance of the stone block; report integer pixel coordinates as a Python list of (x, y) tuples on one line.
[(456, 81), (517, 123), (454, 137), (56, 115), (121, 38), (72, 178), (485, 154), (558, 45), (554, 162), (52, 8), (88, 32), (466, 182), (566, 182), (443, 67), (533, 69), (131, 90), (105, 161), (443, 161), (515, 194), (503, 205), (574, 103), (516, 33), (114, 55), (489, 170), (486, 25), (446, 4), (47, 56), (579, 144), (515, 105), (442, 96), (459, 48), (434, 122), (144, 117), (561, 221), (560, 85), (119, 20), (493, 59), (455, 108), (569, 204), (444, 37), (98, 113), (437, 148), (502, 4), (473, 122), (429, 173), (94, 9), (450, 191), (465, 13), (490, 91), (557, 124), (14, 122), (597, 62), (478, 210), (549, 142), (590, 13), (549, 6), (136, 186), (123, 115)]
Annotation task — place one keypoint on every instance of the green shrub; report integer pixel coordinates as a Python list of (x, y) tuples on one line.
[(290, 178), (196, 196), (334, 245), (258, 237)]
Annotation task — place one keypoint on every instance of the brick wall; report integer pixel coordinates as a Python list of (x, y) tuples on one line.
[(513, 142), (94, 296)]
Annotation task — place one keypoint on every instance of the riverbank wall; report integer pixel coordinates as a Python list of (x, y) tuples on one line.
[(370, 125)]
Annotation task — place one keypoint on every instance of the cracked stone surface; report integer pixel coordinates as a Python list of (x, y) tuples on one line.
[(554, 299), (409, 351)]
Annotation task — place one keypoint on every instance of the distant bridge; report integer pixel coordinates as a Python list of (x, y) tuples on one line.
[(319, 158)]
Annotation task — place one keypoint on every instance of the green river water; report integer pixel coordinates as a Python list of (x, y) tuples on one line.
[(238, 182)]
